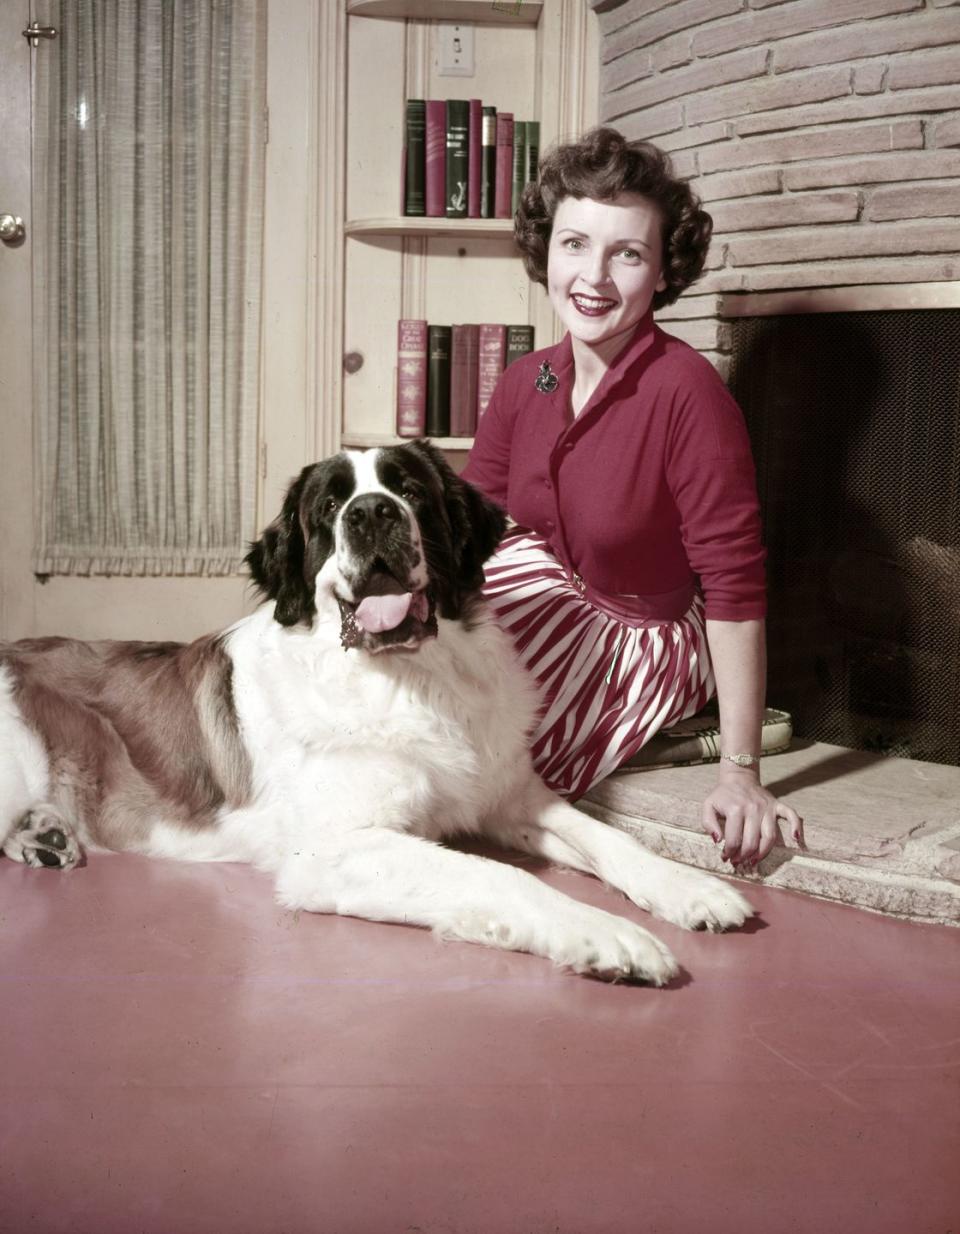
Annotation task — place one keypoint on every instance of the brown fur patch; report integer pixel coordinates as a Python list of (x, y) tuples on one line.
[(135, 732)]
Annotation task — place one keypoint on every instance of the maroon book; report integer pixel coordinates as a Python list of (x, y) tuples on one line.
[(436, 158), (490, 363), (411, 378), (463, 381), (475, 164), (503, 199)]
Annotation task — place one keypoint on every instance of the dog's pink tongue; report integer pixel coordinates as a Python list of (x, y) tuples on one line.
[(378, 613)]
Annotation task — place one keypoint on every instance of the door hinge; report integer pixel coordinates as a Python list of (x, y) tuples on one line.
[(263, 460)]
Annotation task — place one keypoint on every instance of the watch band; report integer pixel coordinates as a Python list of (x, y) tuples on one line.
[(741, 760)]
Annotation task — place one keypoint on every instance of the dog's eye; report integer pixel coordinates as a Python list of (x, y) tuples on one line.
[(330, 506), (409, 493)]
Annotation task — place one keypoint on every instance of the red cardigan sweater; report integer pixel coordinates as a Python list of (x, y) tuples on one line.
[(650, 488)]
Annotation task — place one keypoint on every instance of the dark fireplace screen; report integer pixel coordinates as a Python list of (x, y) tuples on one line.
[(855, 423)]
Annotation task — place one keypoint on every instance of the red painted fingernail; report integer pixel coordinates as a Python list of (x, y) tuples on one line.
[(715, 836)]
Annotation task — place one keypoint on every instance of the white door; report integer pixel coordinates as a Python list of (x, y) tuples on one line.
[(298, 423)]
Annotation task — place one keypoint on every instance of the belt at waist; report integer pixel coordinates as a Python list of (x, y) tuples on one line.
[(635, 610)]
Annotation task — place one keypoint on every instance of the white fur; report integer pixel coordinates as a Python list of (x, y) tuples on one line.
[(24, 774), (361, 763)]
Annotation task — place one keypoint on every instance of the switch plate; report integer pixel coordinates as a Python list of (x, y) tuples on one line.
[(455, 58)]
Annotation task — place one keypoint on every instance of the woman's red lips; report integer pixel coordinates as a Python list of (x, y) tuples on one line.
[(592, 306)]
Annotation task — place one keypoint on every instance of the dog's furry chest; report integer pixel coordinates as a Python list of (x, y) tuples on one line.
[(446, 728)]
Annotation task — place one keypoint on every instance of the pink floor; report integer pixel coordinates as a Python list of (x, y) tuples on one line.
[(179, 1055)]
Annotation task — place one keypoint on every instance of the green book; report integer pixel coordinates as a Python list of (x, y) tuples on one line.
[(697, 740), (439, 339), (458, 157), (414, 185), (519, 161), (519, 342), (533, 151)]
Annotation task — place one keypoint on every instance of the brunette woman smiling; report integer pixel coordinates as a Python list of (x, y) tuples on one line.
[(633, 582)]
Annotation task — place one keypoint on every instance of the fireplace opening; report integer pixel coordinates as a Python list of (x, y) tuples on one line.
[(855, 424)]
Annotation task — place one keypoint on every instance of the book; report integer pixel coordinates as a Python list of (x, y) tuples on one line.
[(502, 200), (491, 360), (435, 158), (697, 740), (474, 158), (411, 377), (518, 167), (458, 158), (519, 342), (414, 199), (533, 152), (464, 347), (488, 162), (438, 381)]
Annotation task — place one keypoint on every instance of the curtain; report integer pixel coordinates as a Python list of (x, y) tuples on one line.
[(149, 123)]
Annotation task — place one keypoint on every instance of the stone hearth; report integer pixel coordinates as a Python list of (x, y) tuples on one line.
[(882, 833)]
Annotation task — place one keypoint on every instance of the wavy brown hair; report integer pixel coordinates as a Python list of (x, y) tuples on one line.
[(602, 165)]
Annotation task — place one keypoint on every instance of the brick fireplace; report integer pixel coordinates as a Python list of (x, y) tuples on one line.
[(854, 415), (822, 135), (824, 138)]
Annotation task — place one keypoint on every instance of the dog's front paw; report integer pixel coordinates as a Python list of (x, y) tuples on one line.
[(43, 837), (698, 901), (614, 949)]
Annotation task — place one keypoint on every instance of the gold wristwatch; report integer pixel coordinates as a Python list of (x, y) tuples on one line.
[(741, 760)]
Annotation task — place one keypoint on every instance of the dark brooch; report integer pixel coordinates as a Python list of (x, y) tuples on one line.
[(547, 380)]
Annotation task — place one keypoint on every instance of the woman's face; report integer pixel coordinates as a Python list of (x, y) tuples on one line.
[(603, 266)]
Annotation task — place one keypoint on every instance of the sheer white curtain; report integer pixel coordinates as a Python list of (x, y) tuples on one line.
[(148, 215)]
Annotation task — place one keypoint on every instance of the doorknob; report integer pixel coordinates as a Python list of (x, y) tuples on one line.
[(35, 32), (12, 230)]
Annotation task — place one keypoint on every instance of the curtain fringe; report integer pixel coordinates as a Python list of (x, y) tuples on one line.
[(136, 564)]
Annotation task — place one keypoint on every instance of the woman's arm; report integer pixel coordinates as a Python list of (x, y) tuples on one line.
[(740, 810)]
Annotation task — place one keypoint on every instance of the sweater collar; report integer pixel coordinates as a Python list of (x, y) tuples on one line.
[(637, 345)]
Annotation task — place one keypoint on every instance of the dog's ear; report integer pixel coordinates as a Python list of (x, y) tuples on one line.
[(276, 561), (476, 522)]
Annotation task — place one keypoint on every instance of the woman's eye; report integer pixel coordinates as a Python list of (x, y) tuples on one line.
[(631, 254), (573, 244)]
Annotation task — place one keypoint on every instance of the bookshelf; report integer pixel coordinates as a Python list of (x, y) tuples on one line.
[(526, 13), (491, 229), (540, 62)]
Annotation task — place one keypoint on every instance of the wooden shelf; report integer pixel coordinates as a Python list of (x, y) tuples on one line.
[(364, 441), (484, 229), (525, 13)]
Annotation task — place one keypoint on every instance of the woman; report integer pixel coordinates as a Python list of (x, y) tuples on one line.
[(633, 584)]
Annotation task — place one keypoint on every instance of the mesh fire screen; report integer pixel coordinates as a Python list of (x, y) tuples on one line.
[(855, 423)]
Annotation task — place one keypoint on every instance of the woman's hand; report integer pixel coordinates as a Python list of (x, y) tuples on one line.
[(746, 818)]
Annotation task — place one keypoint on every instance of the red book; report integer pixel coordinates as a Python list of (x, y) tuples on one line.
[(474, 164), (411, 378), (490, 363), (463, 380), (436, 158), (503, 200)]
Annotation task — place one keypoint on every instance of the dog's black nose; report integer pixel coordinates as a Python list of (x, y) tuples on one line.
[(370, 511)]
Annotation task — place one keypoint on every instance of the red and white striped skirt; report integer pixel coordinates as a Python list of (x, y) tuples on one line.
[(607, 686)]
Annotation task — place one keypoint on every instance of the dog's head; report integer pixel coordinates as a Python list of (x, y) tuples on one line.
[(393, 535)]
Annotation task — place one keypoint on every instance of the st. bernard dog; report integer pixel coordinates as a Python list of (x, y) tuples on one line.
[(367, 711)]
